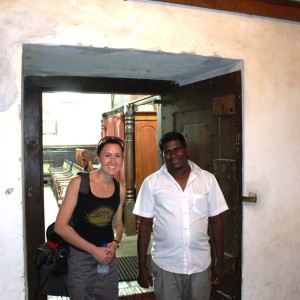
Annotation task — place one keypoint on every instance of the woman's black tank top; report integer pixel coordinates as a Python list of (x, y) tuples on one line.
[(95, 220)]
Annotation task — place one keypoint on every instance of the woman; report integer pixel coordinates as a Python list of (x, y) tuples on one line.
[(100, 221)]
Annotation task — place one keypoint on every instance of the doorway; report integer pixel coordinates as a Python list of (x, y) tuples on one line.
[(34, 86)]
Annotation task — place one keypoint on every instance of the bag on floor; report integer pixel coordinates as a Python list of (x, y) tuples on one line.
[(52, 268), (51, 258)]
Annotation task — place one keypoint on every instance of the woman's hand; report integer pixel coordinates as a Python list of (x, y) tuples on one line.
[(103, 255), (113, 246)]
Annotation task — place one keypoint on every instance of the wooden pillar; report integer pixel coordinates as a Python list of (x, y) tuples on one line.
[(129, 217)]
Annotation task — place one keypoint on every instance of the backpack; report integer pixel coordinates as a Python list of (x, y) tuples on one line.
[(51, 257)]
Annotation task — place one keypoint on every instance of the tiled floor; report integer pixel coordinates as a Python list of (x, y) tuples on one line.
[(127, 248)]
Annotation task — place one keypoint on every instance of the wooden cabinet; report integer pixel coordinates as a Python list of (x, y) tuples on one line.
[(146, 147)]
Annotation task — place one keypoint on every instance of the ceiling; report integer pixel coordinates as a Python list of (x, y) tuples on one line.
[(43, 60)]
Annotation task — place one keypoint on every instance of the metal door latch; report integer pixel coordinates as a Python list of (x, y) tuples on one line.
[(252, 198)]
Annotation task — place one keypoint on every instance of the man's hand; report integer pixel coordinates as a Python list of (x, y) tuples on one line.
[(217, 275), (144, 279)]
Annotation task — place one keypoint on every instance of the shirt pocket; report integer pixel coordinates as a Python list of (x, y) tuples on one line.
[(200, 204)]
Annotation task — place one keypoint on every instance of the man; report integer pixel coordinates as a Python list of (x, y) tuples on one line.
[(178, 202)]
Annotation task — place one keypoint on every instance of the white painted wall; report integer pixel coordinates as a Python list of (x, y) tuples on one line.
[(85, 110), (270, 50)]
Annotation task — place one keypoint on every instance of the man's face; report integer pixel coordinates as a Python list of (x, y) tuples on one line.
[(175, 155)]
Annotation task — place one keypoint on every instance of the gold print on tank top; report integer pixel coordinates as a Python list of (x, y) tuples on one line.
[(100, 217)]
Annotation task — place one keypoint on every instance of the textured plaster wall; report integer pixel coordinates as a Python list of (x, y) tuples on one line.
[(270, 51)]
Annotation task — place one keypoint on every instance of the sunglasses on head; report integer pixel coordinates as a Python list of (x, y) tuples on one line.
[(111, 140)]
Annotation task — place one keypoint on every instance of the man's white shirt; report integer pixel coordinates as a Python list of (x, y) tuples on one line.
[(180, 218)]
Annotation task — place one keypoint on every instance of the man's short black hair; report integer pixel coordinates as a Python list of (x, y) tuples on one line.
[(170, 136)]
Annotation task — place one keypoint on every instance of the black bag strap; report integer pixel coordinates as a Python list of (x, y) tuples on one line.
[(83, 189), (85, 182)]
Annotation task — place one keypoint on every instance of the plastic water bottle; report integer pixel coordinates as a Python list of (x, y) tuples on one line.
[(103, 269)]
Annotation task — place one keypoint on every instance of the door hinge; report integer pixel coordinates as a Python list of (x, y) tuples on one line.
[(30, 192), (224, 106), (225, 296)]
